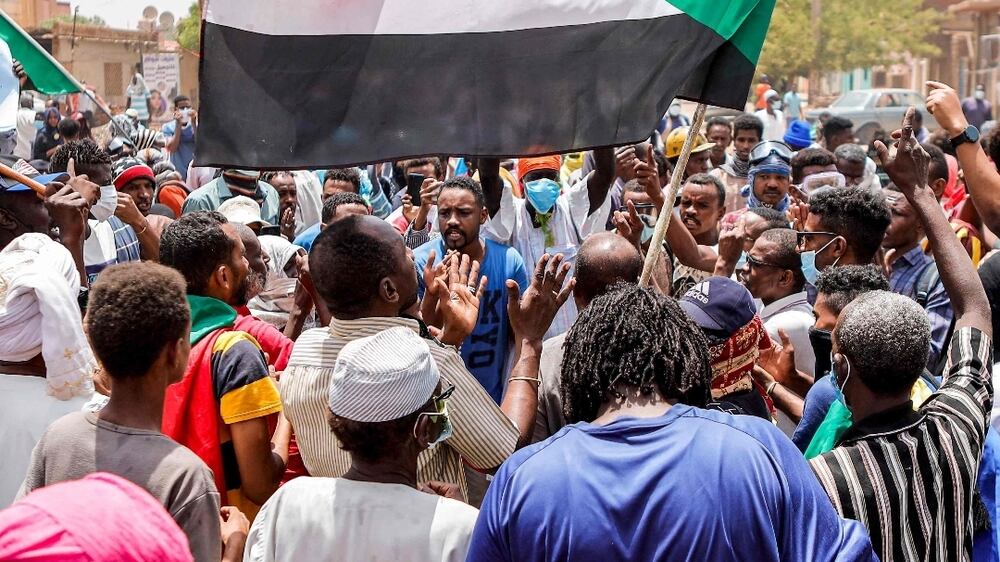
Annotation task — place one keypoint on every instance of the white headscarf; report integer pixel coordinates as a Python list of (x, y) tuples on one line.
[(39, 284)]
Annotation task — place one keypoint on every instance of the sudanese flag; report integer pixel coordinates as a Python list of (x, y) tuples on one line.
[(320, 83)]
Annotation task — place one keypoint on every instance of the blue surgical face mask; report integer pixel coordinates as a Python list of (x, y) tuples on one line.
[(648, 227), (542, 194), (809, 269), (106, 205), (742, 261)]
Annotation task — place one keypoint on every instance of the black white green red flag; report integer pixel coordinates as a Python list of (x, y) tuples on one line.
[(320, 83)]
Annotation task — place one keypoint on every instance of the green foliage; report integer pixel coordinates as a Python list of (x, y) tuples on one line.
[(189, 29), (853, 34), (80, 20)]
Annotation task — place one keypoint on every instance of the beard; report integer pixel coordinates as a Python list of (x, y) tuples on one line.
[(456, 244), (253, 284)]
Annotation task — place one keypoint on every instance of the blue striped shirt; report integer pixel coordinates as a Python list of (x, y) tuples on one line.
[(906, 271)]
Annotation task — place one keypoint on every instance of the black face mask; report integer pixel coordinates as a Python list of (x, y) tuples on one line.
[(822, 344)]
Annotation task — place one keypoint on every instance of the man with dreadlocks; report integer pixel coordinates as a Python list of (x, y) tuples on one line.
[(644, 473)]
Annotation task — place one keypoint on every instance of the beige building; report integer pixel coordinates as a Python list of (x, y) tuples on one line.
[(31, 13)]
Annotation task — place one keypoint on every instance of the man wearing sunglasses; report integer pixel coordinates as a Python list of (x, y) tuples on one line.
[(387, 404), (773, 274), (844, 227)]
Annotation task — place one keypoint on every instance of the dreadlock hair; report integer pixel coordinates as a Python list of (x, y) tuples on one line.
[(634, 337)]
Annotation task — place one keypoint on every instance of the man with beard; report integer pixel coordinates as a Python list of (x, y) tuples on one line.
[(461, 214), (747, 132), (276, 346), (770, 180), (219, 409), (136, 180)]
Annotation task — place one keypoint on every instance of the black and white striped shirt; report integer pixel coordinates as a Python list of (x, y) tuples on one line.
[(912, 485), (483, 436)]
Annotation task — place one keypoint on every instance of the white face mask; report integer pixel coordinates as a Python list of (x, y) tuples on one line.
[(979, 94), (106, 204)]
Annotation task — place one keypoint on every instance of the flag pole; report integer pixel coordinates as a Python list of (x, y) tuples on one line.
[(12, 174), (667, 212)]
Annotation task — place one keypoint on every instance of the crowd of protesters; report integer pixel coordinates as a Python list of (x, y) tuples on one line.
[(447, 358)]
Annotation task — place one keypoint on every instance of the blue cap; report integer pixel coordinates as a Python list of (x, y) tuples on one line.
[(799, 135), (11, 186), (719, 304)]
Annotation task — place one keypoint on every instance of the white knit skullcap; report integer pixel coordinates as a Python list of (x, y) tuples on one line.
[(383, 377)]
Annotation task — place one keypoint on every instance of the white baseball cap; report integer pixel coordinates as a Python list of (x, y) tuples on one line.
[(242, 209), (383, 377)]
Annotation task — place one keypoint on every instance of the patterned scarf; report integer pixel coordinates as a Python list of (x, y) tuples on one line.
[(733, 360)]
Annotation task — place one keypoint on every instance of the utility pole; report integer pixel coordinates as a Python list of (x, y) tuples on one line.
[(817, 35), (72, 40)]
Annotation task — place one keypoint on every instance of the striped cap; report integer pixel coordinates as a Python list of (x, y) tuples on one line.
[(383, 377)]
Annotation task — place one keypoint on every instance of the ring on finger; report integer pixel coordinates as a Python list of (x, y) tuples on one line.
[(472, 289)]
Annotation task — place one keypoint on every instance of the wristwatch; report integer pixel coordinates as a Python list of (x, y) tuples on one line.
[(970, 134)]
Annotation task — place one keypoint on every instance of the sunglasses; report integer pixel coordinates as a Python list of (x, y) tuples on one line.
[(801, 236), (753, 262), (766, 149)]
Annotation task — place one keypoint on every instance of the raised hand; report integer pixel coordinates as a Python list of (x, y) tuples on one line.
[(625, 158), (906, 165), (428, 198), (780, 362), (532, 313), (628, 225), (944, 105), (409, 211), (797, 214), (288, 223), (458, 306), (68, 210), (90, 191), (649, 178), (129, 213), (429, 191), (731, 241)]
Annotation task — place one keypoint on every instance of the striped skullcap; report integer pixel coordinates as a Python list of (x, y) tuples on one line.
[(383, 377)]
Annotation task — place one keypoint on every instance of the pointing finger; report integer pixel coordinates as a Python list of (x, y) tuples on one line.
[(937, 85), (907, 133), (71, 168), (883, 152)]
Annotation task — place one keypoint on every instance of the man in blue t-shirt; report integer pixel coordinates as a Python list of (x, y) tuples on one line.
[(181, 144), (644, 473), (461, 213)]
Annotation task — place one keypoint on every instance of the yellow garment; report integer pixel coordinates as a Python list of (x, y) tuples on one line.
[(508, 178), (920, 393), (571, 163)]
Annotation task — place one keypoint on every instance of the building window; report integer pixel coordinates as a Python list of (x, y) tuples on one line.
[(113, 79)]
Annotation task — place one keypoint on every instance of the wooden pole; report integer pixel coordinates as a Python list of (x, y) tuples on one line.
[(12, 174), (656, 243)]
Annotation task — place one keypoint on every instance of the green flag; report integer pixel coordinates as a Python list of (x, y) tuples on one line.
[(45, 73)]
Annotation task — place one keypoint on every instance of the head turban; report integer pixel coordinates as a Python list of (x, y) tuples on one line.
[(771, 165), (526, 165)]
